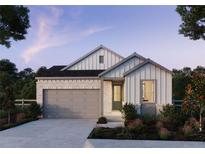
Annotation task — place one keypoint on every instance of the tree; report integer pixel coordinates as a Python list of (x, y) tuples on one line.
[(26, 84), (195, 96), (41, 70), (8, 102), (193, 21), (180, 80), (8, 76), (14, 22)]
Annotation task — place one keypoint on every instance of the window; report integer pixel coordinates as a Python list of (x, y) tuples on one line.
[(117, 97), (148, 91), (101, 59), (117, 93)]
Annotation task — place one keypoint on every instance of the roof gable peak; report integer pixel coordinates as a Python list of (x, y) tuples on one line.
[(144, 63), (89, 53)]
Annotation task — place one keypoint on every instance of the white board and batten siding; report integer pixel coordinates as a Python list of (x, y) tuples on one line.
[(120, 70), (91, 62), (163, 84)]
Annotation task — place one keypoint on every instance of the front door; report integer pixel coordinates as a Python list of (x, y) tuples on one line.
[(117, 96)]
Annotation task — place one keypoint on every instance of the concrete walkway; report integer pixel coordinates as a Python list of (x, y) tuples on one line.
[(98, 143), (72, 133)]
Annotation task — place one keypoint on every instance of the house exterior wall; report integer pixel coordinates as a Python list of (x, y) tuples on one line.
[(64, 84), (163, 85), (92, 61), (120, 70)]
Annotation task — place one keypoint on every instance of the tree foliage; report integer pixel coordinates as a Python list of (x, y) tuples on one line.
[(14, 22), (8, 101), (22, 83), (180, 80), (193, 21), (194, 102)]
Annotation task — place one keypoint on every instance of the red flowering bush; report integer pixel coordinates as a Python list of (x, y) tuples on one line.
[(164, 133)]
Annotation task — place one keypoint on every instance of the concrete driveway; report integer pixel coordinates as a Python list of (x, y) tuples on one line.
[(46, 133), (72, 133)]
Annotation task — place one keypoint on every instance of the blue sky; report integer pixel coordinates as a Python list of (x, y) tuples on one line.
[(61, 34)]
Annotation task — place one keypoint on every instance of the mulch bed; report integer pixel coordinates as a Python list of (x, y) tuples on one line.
[(149, 133)]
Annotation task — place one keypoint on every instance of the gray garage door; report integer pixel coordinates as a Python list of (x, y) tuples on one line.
[(71, 103)]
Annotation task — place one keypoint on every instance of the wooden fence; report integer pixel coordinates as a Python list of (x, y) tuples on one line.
[(177, 103), (24, 102)]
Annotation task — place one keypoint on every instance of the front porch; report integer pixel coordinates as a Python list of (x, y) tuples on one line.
[(112, 98)]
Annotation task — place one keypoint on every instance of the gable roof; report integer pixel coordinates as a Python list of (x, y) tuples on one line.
[(122, 62), (143, 64), (88, 54), (55, 71)]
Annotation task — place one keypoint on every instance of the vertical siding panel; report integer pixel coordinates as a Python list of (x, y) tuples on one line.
[(134, 84), (142, 74), (147, 71), (137, 87), (132, 89), (169, 89), (165, 89), (109, 59), (87, 63), (106, 59), (122, 71), (158, 77), (163, 86), (153, 72), (94, 61), (127, 89), (97, 60), (132, 63), (117, 72), (82, 64)]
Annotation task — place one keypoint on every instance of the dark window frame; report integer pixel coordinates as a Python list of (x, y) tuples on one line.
[(101, 59)]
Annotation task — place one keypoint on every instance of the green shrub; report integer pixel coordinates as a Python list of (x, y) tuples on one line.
[(3, 114), (164, 134), (188, 131), (159, 124), (129, 112), (193, 123), (139, 129), (102, 120), (34, 110), (20, 109), (172, 117), (135, 123)]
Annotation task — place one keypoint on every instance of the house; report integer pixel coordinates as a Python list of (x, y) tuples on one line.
[(100, 82)]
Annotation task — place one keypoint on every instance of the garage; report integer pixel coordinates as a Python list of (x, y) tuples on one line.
[(71, 103)]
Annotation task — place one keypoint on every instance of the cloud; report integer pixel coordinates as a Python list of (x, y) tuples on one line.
[(51, 34), (94, 29)]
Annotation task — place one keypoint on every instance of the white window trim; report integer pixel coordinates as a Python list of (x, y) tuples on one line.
[(155, 90)]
